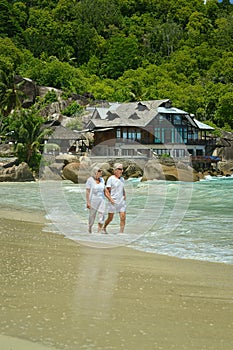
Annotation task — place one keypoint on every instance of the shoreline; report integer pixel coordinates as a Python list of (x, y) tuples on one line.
[(64, 295)]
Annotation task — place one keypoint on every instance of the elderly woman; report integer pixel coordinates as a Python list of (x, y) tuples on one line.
[(95, 199)]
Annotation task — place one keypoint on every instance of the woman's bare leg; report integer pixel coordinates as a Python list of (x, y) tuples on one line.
[(122, 221)]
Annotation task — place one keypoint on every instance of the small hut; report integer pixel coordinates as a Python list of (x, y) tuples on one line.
[(68, 140)]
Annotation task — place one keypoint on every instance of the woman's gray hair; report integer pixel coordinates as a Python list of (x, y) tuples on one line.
[(94, 170)]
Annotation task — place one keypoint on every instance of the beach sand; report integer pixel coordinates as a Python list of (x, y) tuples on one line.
[(58, 294)]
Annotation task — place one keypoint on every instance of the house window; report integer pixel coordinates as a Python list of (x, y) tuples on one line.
[(177, 120), (124, 134), (195, 135), (157, 138), (162, 118), (167, 135), (138, 133), (181, 135), (185, 135), (118, 133), (170, 135), (130, 134), (163, 135), (178, 135), (190, 151)]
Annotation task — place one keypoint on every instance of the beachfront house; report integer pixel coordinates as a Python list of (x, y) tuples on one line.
[(149, 128)]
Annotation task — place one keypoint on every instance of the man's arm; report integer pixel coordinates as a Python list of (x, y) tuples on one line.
[(107, 193)]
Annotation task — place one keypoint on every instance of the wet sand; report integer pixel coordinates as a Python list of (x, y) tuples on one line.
[(58, 294)]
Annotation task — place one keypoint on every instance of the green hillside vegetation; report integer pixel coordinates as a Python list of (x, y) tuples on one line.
[(123, 50)]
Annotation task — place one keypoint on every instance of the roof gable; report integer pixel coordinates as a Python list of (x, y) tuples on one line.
[(111, 116), (134, 116), (141, 107)]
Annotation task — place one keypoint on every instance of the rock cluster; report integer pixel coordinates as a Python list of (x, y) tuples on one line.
[(78, 170), (226, 168), (13, 172)]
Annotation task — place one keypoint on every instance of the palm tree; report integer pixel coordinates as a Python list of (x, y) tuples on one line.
[(26, 131)]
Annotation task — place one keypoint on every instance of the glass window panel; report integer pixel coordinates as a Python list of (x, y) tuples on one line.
[(177, 119)]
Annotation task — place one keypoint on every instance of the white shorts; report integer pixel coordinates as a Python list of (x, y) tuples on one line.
[(117, 207)]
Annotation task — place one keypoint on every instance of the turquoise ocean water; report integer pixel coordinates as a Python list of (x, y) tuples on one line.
[(186, 220)]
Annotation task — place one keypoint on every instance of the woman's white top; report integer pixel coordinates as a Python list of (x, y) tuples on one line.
[(96, 191)]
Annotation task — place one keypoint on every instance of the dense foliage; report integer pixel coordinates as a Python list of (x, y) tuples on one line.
[(123, 50)]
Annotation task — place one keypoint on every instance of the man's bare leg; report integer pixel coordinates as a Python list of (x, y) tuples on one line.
[(109, 219)]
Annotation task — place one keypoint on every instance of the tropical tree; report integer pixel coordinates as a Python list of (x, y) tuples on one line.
[(11, 56), (10, 59), (121, 54), (57, 74), (164, 37), (7, 23), (224, 112), (25, 128), (9, 93)]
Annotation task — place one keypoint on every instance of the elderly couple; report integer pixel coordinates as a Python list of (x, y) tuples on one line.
[(114, 191)]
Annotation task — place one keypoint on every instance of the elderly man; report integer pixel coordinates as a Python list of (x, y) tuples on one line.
[(115, 193)]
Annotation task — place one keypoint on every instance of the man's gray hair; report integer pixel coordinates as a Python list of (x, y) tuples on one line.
[(117, 165)]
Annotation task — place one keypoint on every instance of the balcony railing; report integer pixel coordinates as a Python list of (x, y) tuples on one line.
[(204, 142), (205, 159)]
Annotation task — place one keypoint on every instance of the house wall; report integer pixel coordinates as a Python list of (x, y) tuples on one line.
[(178, 141), (103, 136)]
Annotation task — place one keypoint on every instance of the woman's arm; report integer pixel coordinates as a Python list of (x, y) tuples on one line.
[(88, 198)]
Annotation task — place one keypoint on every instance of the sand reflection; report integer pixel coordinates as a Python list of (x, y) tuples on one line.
[(95, 285)]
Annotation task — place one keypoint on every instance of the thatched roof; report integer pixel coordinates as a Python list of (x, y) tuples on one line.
[(62, 133)]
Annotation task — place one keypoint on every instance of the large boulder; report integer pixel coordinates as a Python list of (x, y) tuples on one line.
[(6, 150), (226, 168), (66, 158), (51, 172), (225, 149), (16, 173), (179, 174), (29, 90), (153, 170), (71, 172), (156, 170)]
